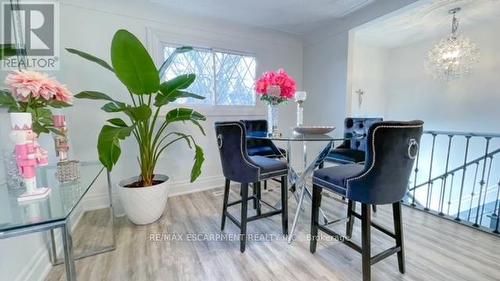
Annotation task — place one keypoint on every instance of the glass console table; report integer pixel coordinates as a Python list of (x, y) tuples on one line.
[(53, 212), (298, 180)]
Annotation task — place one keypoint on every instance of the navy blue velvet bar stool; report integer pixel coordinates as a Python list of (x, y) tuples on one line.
[(261, 147), (352, 150), (238, 166), (383, 179)]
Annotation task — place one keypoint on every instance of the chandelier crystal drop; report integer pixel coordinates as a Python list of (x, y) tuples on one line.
[(453, 56)]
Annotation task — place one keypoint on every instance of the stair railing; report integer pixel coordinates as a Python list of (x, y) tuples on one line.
[(450, 176)]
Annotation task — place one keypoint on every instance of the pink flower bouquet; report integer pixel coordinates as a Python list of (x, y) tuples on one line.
[(33, 92), (275, 87)]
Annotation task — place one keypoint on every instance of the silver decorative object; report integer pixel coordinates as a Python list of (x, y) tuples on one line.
[(313, 130), (300, 98), (68, 171), (453, 56), (13, 178)]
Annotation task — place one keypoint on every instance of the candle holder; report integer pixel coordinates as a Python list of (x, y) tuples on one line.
[(300, 98)]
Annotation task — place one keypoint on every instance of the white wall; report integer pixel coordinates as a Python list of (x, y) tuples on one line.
[(89, 26), (468, 104), (272, 49), (367, 73), (326, 65), (403, 89)]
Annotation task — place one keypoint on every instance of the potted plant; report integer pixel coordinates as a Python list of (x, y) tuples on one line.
[(143, 197)]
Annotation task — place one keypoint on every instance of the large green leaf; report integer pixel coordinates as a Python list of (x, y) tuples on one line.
[(199, 158), (91, 58), (133, 65), (185, 114), (93, 95), (7, 100), (58, 104), (117, 122), (139, 113), (112, 107), (170, 89), (108, 144), (170, 59), (7, 50), (161, 99), (178, 83)]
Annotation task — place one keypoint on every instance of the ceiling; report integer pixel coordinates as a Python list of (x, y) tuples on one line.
[(426, 19), (293, 16)]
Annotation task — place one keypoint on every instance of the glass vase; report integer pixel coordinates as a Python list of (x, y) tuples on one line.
[(272, 119)]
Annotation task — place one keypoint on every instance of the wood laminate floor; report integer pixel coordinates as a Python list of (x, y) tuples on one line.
[(435, 249)]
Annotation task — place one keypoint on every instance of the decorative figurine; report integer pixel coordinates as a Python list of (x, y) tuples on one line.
[(66, 170), (360, 97), (29, 155), (61, 140)]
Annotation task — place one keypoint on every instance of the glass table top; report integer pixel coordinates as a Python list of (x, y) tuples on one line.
[(58, 206), (292, 136)]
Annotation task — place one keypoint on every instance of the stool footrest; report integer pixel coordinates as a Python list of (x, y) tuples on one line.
[(373, 260), (239, 201), (377, 226), (348, 243), (252, 218), (269, 214), (382, 255), (233, 219)]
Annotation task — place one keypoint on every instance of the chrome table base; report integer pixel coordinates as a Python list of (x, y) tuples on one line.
[(69, 257), (298, 181)]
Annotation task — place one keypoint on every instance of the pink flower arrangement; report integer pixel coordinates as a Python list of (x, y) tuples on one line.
[(279, 78), (26, 85), (34, 92)]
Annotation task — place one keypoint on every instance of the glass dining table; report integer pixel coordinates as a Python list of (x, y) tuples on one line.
[(297, 180)]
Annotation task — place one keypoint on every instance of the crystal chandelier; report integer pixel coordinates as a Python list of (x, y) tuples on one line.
[(453, 56)]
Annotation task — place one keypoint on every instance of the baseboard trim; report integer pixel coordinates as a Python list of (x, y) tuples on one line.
[(202, 184)]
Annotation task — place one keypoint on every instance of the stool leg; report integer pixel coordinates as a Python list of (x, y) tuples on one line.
[(316, 201), (224, 204), (398, 230), (259, 197), (351, 208), (243, 221), (365, 241), (374, 208), (284, 205), (265, 185)]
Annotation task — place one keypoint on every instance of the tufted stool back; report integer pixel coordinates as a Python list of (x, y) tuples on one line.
[(356, 129)]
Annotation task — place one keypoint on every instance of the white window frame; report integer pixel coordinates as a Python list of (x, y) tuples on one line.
[(156, 47)]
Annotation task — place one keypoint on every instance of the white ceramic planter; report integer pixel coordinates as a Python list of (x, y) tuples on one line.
[(144, 205)]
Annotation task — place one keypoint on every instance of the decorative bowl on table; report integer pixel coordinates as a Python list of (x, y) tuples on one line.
[(313, 130)]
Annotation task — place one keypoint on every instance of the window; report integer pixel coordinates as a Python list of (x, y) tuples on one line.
[(223, 78)]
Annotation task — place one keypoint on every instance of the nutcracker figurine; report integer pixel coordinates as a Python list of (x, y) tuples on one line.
[(61, 140), (66, 170), (29, 155)]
